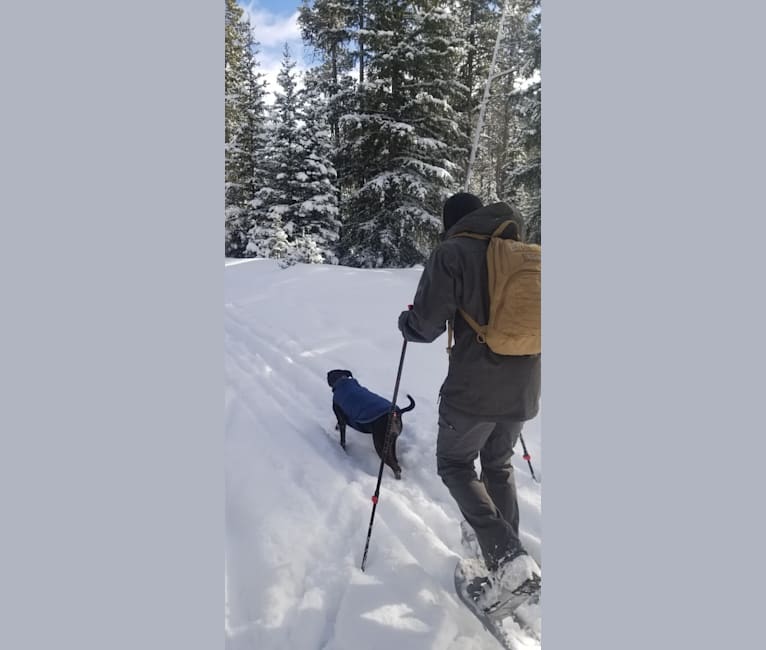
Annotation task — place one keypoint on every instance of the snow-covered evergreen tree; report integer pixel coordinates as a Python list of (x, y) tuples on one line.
[(479, 21), (326, 26), (297, 214), (317, 212), (521, 170), (306, 250), (268, 237), (434, 92), (330, 27), (244, 124), (403, 80), (282, 159), (234, 85), (507, 164), (233, 52), (406, 135), (483, 20)]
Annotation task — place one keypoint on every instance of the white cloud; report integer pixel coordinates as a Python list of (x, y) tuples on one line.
[(272, 31)]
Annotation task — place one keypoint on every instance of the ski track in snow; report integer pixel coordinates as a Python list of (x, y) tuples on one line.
[(298, 506)]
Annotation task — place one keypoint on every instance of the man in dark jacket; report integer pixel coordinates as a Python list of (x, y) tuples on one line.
[(486, 397)]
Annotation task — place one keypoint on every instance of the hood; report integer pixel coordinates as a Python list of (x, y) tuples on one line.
[(485, 220)]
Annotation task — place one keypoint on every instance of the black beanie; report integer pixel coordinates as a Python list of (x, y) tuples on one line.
[(457, 206)]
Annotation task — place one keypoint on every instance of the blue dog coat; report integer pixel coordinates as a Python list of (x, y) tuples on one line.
[(360, 405)]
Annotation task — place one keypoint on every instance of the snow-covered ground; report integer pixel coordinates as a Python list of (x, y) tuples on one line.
[(298, 506)]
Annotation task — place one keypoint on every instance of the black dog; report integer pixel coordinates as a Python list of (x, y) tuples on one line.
[(363, 410)]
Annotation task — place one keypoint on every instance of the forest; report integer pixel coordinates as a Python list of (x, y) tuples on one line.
[(351, 161)]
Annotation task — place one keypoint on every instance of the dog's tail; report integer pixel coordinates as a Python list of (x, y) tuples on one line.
[(410, 407)]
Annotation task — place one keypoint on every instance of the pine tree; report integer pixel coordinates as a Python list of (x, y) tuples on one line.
[(244, 129), (268, 238), (297, 215), (317, 211), (434, 94), (282, 157), (507, 166), (330, 27), (326, 25), (406, 135), (371, 236), (521, 171), (479, 21), (484, 21), (233, 52), (403, 80), (234, 83), (305, 250)]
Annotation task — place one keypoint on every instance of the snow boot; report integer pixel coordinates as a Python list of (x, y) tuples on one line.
[(515, 582)]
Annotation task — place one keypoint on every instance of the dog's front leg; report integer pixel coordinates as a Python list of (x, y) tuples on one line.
[(340, 425)]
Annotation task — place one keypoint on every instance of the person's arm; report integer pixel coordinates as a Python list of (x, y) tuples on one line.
[(435, 299)]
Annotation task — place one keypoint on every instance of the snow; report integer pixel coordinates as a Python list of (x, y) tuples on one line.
[(389, 124), (298, 506), (424, 168)]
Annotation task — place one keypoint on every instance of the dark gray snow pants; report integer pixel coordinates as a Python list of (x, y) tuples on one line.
[(489, 502)]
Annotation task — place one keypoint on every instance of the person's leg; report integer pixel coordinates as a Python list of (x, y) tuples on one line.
[(497, 472), (517, 572), (460, 439)]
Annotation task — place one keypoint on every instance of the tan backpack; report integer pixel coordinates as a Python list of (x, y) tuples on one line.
[(513, 271)]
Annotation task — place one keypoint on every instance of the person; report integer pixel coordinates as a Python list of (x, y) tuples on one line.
[(486, 397)]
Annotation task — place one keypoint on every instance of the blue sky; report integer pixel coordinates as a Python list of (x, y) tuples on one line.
[(274, 22)]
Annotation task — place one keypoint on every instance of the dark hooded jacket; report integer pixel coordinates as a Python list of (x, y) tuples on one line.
[(479, 382)]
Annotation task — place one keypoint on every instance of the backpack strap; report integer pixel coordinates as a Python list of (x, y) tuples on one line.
[(479, 329), (501, 228), (474, 326)]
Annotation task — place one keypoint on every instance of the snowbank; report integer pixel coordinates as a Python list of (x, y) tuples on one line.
[(298, 506)]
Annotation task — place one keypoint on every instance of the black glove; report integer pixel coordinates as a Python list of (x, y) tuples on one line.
[(403, 321)]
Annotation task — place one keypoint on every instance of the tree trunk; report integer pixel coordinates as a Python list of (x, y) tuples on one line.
[(334, 122), (361, 42)]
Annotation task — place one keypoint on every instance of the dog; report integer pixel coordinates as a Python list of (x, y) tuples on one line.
[(366, 412)]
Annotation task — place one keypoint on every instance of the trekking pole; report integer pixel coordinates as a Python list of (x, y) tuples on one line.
[(527, 457), (386, 446)]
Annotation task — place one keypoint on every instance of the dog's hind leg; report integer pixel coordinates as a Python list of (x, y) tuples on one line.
[(379, 438), (393, 461)]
